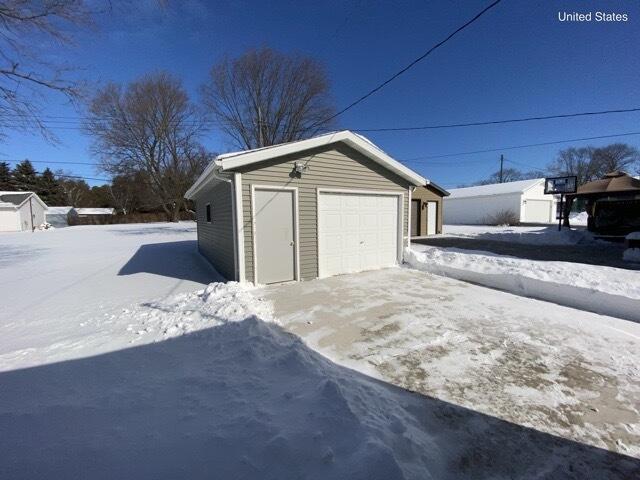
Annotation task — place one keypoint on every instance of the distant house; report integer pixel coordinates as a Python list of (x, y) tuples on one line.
[(21, 211), (426, 210), (94, 212), (58, 217), (481, 204)]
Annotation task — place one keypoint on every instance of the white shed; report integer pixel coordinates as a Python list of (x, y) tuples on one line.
[(481, 204), (59, 216), (21, 211)]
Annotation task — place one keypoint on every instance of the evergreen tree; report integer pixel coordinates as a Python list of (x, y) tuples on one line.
[(25, 177), (49, 188), (5, 177)]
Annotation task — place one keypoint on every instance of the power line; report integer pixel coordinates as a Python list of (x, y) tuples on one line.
[(73, 124), (418, 159), (497, 122), (15, 160), (525, 165), (413, 63)]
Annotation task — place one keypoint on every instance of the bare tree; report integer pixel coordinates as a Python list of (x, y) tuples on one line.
[(26, 69), (74, 192), (150, 127), (615, 157), (575, 161), (265, 97), (591, 163)]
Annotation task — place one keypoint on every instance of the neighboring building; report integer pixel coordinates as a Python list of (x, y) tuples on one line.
[(328, 205), (59, 217), (612, 204), (426, 210), (94, 212), (21, 211), (481, 204)]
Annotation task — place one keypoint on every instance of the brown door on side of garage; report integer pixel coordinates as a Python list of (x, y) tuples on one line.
[(415, 218)]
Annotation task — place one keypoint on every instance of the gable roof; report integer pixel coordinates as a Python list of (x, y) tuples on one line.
[(17, 199), (59, 210), (495, 188), (437, 187), (234, 160)]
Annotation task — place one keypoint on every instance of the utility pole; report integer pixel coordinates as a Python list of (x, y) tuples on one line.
[(501, 166)]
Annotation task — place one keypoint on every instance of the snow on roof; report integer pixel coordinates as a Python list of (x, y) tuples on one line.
[(233, 160), (59, 210), (17, 198), (14, 198), (95, 211), (495, 188)]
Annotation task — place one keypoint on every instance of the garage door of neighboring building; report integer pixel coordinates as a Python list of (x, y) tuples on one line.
[(357, 232), (537, 211)]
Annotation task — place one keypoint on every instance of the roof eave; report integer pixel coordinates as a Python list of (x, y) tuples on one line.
[(209, 173)]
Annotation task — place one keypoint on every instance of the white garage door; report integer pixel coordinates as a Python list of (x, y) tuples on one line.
[(357, 232), (537, 211)]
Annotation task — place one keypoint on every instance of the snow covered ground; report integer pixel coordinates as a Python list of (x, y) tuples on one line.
[(606, 290), (118, 361), (65, 284)]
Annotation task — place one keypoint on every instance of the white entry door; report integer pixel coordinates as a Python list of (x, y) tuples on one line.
[(432, 215), (274, 220), (357, 232)]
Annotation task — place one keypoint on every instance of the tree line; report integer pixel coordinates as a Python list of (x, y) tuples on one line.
[(586, 163), (127, 194)]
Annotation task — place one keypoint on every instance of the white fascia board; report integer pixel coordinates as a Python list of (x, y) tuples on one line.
[(203, 179), (356, 142)]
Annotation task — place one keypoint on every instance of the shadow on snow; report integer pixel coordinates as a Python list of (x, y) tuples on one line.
[(179, 260), (247, 400)]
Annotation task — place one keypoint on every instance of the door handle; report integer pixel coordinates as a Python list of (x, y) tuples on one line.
[(292, 243)]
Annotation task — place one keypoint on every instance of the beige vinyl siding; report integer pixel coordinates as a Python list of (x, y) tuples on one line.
[(335, 166), (215, 239), (428, 194)]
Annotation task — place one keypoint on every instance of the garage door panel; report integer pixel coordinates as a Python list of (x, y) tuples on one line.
[(357, 232), (369, 220)]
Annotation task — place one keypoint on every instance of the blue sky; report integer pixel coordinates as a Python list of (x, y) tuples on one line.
[(516, 61)]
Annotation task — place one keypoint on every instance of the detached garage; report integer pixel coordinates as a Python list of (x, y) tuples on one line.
[(21, 211), (325, 206), (483, 204)]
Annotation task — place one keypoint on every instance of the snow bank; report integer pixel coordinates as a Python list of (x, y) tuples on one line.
[(217, 304), (524, 235), (604, 290), (215, 391)]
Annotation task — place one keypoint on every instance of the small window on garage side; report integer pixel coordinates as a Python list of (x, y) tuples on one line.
[(208, 212)]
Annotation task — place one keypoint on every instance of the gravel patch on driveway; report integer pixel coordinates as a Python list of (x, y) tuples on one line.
[(555, 369)]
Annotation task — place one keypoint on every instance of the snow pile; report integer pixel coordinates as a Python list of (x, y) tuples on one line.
[(216, 305), (578, 218), (525, 235), (239, 399), (605, 290)]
